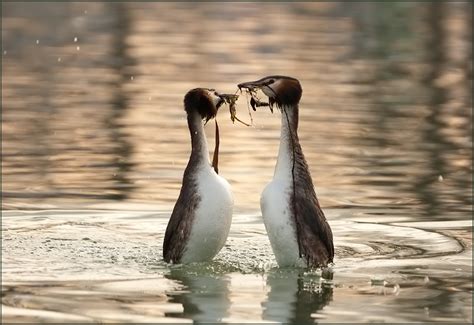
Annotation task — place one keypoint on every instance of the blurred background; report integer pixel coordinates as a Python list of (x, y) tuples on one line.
[(92, 93)]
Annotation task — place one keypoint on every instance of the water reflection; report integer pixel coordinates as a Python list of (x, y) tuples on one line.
[(204, 296), (438, 97), (122, 66), (92, 112), (75, 148), (107, 265), (295, 297), (443, 303), (292, 296), (442, 131), (420, 119)]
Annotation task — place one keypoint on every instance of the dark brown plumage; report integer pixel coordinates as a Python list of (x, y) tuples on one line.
[(196, 101), (179, 227), (315, 238), (314, 235)]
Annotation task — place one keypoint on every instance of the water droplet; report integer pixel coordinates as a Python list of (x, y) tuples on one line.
[(59, 59), (195, 132), (396, 289), (440, 178), (78, 48), (75, 39), (37, 41), (131, 78)]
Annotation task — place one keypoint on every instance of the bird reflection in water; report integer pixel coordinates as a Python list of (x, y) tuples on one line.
[(205, 297), (296, 295)]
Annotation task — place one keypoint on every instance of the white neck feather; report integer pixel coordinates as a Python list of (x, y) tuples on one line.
[(284, 165)]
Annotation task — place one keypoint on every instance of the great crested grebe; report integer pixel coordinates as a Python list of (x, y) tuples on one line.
[(298, 231), (202, 215)]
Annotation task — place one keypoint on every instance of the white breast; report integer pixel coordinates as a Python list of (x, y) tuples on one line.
[(276, 212), (213, 217), (276, 206)]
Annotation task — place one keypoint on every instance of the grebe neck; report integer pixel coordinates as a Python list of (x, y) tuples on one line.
[(200, 151), (288, 142)]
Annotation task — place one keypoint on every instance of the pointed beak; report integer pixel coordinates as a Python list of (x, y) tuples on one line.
[(225, 98), (220, 101), (251, 85)]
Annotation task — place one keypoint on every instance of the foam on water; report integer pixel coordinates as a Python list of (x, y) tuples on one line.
[(53, 260), (106, 244)]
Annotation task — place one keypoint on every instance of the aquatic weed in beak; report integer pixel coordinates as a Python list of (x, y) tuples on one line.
[(231, 99)]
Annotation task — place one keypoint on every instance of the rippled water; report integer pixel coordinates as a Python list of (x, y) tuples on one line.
[(94, 144)]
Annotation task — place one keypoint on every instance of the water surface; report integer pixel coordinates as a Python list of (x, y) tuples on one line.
[(94, 144)]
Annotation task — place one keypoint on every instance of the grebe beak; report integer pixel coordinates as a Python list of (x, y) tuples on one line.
[(220, 102), (225, 98), (252, 85)]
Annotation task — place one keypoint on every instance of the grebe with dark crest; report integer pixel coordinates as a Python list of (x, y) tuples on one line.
[(202, 215), (298, 230)]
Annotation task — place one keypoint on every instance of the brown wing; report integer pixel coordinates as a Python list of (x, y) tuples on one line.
[(179, 226), (314, 234)]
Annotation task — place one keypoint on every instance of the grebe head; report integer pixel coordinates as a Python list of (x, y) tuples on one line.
[(203, 100), (284, 91)]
